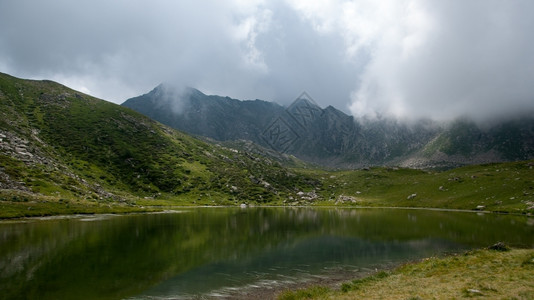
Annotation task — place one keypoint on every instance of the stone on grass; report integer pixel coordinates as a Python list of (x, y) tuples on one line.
[(500, 246)]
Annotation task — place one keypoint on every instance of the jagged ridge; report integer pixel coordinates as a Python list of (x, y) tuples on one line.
[(331, 138)]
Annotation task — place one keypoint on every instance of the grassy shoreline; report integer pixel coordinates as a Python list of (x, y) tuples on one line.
[(501, 188), (481, 273), (38, 209), (12, 210)]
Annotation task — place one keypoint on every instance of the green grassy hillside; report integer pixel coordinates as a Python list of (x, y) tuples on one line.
[(502, 187), (66, 152)]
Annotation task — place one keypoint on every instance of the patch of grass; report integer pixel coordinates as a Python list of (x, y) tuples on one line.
[(528, 262), (316, 292), (16, 204), (480, 273), (357, 283), (503, 187)]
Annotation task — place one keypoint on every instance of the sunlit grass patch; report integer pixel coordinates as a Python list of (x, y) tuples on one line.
[(504, 187)]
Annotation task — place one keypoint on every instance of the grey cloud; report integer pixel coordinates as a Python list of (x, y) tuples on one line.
[(476, 61), (134, 44), (121, 49), (470, 58)]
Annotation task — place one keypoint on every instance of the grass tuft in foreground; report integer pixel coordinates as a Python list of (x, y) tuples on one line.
[(357, 283), (316, 292)]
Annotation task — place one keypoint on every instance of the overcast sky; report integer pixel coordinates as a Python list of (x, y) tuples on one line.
[(438, 59)]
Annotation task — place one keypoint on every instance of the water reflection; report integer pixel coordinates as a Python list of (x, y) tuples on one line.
[(203, 250)]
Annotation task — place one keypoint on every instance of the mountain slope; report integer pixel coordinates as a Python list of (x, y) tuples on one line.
[(331, 138), (59, 144), (325, 136), (63, 152), (464, 142), (220, 118)]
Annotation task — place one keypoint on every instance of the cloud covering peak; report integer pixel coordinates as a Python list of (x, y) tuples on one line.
[(406, 58)]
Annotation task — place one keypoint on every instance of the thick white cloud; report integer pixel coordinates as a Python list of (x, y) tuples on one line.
[(408, 58), (438, 59), (450, 58)]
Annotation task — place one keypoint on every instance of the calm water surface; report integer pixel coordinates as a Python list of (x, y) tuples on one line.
[(214, 252)]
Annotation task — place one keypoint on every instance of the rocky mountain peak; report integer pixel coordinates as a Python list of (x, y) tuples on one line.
[(332, 138)]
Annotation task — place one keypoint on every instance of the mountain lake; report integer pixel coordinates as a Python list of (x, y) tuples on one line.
[(253, 252)]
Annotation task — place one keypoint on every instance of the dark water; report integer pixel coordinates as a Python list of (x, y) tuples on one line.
[(217, 251)]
